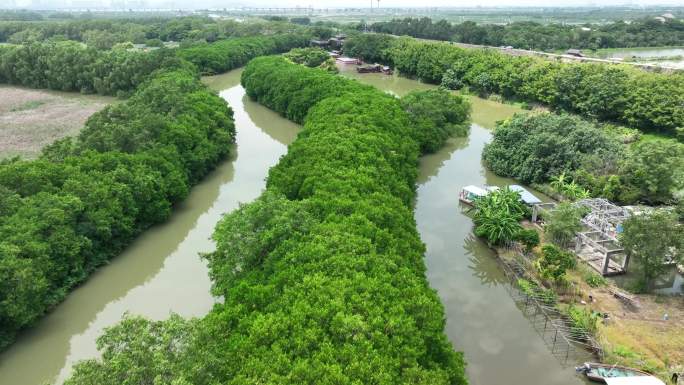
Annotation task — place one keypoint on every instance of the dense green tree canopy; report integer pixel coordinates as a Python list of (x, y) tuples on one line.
[(103, 33), (534, 148), (646, 32), (644, 100), (71, 66), (310, 57), (580, 159), (313, 57), (84, 199), (655, 170), (653, 239), (370, 48), (322, 278), (228, 54), (436, 115)]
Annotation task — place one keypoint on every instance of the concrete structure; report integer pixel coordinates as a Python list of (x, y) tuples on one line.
[(598, 244)]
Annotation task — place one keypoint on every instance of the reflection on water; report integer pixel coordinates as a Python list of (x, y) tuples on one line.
[(641, 52), (500, 344), (485, 112), (431, 163), (482, 265), (161, 271), (284, 132), (674, 53)]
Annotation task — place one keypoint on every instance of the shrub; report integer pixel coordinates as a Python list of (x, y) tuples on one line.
[(536, 148), (562, 224), (593, 279), (583, 320), (497, 216), (436, 115), (529, 238), (554, 262)]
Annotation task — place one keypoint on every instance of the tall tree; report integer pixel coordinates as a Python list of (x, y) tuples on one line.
[(653, 239), (562, 224)]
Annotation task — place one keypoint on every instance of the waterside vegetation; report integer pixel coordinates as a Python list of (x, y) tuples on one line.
[(644, 32), (323, 276), (78, 205), (650, 102)]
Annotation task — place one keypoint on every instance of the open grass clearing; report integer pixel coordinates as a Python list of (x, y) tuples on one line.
[(635, 336), (31, 119)]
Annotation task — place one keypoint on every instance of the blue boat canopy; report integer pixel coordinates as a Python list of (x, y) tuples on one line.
[(525, 195)]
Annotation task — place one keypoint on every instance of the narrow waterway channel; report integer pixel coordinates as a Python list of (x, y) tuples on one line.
[(500, 344), (161, 272)]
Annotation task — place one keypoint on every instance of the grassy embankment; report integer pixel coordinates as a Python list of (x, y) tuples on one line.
[(634, 335)]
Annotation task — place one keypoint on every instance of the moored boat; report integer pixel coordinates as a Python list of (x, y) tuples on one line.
[(469, 194), (617, 375), (369, 68), (347, 60)]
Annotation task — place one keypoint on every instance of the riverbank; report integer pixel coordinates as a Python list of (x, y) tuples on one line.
[(482, 318), (633, 333), (666, 56), (563, 57), (635, 337), (161, 271)]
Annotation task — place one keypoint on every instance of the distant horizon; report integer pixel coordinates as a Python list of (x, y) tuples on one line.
[(332, 4)]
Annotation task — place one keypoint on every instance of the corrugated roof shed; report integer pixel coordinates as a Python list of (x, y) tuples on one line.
[(525, 195)]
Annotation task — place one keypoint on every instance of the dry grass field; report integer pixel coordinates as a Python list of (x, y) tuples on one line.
[(31, 119), (636, 334)]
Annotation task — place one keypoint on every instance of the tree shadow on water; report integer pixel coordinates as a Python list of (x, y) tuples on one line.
[(483, 262)]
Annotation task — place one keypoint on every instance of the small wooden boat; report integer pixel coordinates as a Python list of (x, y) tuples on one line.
[(469, 194), (615, 374), (369, 68), (347, 60)]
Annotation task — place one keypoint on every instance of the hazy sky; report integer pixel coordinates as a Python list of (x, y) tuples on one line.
[(452, 3), (344, 3)]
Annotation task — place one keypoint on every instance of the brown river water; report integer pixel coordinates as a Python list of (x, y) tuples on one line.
[(162, 273)]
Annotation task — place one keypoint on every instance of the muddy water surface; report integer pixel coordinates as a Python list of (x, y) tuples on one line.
[(500, 344), (161, 272)]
